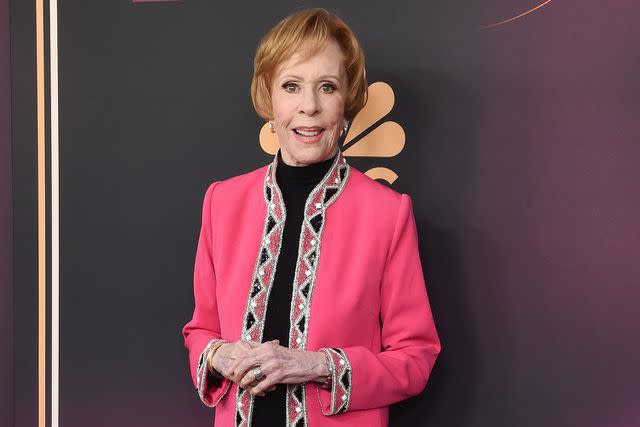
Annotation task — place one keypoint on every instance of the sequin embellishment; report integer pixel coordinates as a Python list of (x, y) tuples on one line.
[(304, 280), (263, 275), (340, 381), (320, 198)]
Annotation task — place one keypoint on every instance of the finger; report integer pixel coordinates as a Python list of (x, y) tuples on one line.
[(234, 356), (249, 380), (243, 364), (238, 367), (255, 358), (231, 368), (253, 344), (244, 368), (265, 392), (246, 380), (272, 378), (259, 389), (237, 375), (248, 345), (244, 348), (222, 368)]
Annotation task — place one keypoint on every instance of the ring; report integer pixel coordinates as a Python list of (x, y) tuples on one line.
[(258, 373)]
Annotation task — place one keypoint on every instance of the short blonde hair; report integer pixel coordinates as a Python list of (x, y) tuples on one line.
[(313, 28)]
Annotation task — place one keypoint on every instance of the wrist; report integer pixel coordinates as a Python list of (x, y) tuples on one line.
[(211, 359), (323, 369), (318, 367)]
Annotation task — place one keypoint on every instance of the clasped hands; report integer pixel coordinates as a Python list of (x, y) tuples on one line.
[(279, 365)]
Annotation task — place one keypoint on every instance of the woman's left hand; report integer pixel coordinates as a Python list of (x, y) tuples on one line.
[(279, 365)]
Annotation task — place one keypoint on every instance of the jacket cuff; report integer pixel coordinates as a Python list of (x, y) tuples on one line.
[(210, 392), (336, 399)]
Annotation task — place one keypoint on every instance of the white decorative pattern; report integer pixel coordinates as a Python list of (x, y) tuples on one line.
[(320, 198), (340, 381), (264, 273), (202, 373)]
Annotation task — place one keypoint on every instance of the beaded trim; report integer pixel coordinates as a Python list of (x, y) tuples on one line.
[(202, 372), (263, 274), (320, 198), (340, 382)]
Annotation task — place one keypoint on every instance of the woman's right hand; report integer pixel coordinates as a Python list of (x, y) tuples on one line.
[(227, 353)]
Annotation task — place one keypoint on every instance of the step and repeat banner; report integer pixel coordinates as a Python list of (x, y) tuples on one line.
[(513, 125)]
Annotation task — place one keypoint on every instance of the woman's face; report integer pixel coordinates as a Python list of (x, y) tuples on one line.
[(308, 105)]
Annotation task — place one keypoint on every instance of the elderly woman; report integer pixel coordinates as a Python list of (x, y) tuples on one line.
[(310, 302)]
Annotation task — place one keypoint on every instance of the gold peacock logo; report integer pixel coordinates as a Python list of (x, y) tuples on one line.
[(366, 137)]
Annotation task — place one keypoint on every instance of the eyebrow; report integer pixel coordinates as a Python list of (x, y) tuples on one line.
[(323, 77)]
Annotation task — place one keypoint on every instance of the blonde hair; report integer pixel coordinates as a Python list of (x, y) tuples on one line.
[(313, 28)]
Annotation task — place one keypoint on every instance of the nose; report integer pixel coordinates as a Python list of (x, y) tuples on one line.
[(309, 104)]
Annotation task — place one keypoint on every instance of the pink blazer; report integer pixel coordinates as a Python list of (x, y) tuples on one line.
[(359, 294)]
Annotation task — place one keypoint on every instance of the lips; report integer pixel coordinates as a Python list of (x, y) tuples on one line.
[(308, 134), (308, 131)]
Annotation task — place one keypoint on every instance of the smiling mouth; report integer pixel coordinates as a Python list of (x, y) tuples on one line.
[(308, 132)]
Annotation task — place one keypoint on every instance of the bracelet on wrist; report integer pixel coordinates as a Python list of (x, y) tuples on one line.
[(212, 352)]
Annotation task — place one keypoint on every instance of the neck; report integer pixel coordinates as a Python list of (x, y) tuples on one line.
[(292, 162), (311, 173)]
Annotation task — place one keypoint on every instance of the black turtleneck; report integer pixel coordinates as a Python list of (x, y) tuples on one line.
[(295, 183)]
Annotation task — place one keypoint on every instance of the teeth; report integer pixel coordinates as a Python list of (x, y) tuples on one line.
[(305, 133)]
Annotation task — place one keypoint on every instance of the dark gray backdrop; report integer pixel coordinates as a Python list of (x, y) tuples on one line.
[(6, 241), (521, 158)]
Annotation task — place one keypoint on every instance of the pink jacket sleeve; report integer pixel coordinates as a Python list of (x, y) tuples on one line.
[(204, 328), (365, 379)]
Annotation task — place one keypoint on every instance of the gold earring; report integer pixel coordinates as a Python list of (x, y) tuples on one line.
[(271, 127)]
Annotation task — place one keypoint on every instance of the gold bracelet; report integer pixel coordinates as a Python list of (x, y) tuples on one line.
[(212, 352)]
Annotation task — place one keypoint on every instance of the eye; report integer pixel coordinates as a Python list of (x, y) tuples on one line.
[(328, 88), (290, 87)]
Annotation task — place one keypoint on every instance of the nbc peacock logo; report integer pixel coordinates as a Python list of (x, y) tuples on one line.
[(368, 135)]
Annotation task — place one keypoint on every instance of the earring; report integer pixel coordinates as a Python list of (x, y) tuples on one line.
[(271, 127), (345, 128)]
